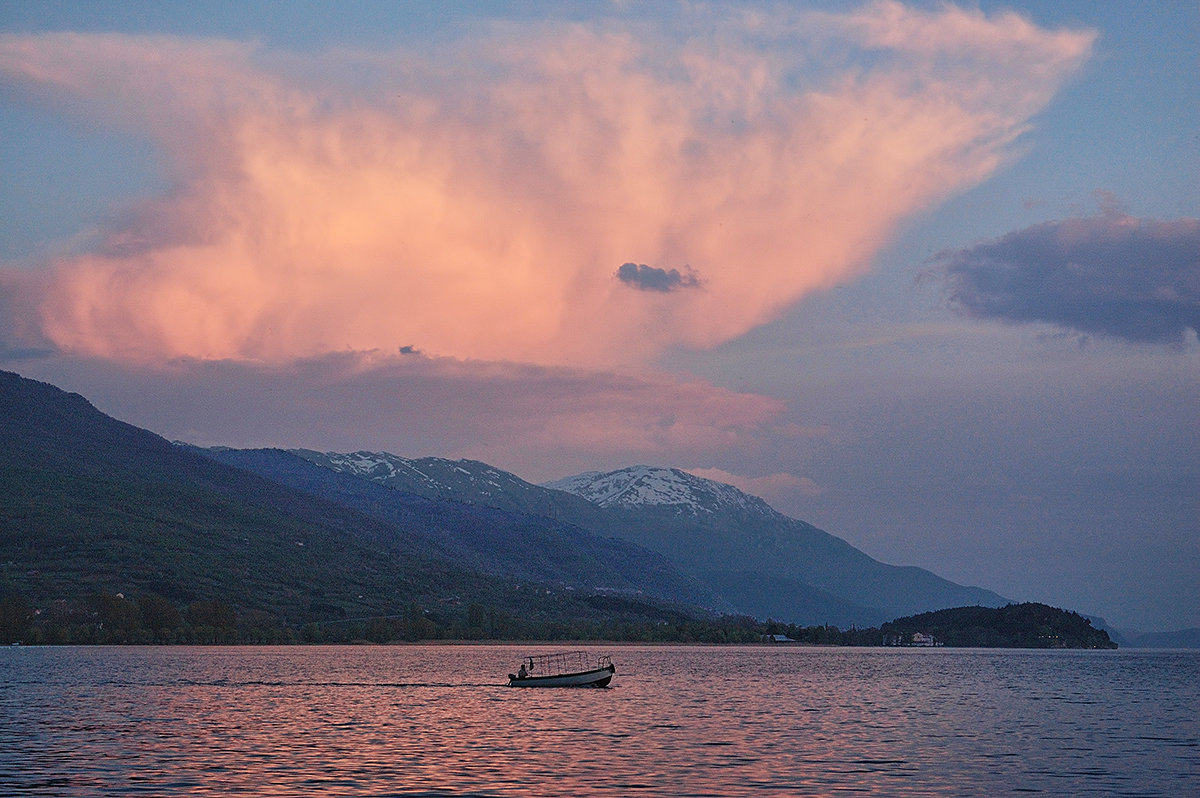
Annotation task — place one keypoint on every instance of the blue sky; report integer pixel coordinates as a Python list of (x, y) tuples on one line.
[(937, 279)]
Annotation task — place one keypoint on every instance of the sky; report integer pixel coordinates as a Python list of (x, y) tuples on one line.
[(925, 275)]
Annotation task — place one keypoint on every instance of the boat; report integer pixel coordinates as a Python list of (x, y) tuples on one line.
[(565, 669)]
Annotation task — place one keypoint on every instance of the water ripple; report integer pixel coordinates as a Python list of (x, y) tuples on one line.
[(438, 721)]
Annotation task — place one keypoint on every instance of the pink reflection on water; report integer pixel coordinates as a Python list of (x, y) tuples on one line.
[(439, 720)]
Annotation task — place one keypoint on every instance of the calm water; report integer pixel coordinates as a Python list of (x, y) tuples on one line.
[(437, 720)]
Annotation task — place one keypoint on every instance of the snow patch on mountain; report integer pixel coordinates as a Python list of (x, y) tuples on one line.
[(379, 466), (471, 481), (463, 479), (640, 486)]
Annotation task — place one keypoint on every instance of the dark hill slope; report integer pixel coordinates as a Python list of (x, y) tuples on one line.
[(88, 504)]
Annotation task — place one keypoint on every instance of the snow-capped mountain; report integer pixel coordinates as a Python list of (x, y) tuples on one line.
[(465, 481), (642, 486), (483, 523), (435, 477), (759, 560), (764, 562)]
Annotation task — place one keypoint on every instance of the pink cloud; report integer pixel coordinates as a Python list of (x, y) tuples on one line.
[(478, 203), (539, 422)]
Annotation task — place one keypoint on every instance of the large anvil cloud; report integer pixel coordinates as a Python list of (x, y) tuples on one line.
[(472, 200)]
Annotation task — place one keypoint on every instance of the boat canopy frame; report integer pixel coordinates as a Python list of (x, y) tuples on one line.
[(564, 662)]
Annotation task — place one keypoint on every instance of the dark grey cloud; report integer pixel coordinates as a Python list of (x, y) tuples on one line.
[(1114, 275), (651, 278)]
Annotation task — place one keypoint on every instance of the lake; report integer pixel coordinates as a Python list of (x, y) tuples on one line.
[(438, 720)]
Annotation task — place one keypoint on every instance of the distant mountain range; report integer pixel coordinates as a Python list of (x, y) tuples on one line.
[(90, 503), (751, 558), (497, 539)]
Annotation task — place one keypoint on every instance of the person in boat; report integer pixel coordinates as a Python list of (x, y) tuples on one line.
[(521, 672)]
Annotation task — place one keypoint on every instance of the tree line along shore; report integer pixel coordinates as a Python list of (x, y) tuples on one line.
[(149, 619)]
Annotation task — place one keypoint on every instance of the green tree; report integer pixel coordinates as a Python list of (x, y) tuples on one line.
[(479, 624), (420, 627), (312, 633), (378, 630), (159, 614), (213, 612), (120, 618), (16, 620)]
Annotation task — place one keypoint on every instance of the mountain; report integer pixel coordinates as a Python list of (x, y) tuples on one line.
[(435, 477), (465, 481), (757, 560), (766, 563), (501, 540), (91, 505), (645, 486)]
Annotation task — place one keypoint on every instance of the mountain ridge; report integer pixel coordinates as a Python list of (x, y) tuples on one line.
[(492, 540), (762, 562), (90, 505), (743, 538)]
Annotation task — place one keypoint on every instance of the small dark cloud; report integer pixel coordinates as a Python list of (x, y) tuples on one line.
[(1113, 275), (650, 278)]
